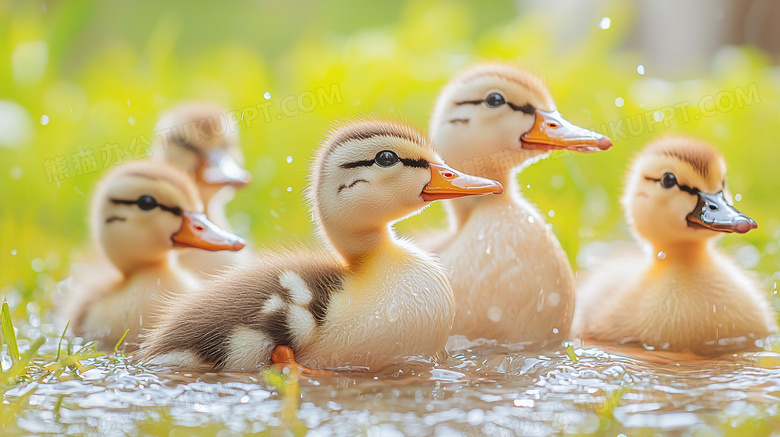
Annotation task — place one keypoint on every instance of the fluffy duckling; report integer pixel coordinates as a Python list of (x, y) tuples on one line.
[(199, 139), (511, 278), (140, 211), (370, 301), (683, 294)]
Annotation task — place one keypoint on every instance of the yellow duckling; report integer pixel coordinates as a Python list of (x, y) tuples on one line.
[(683, 294), (200, 139), (511, 278), (140, 211), (370, 302)]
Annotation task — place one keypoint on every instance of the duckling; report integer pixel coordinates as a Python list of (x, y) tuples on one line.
[(683, 294), (199, 139), (139, 213), (369, 301), (511, 278)]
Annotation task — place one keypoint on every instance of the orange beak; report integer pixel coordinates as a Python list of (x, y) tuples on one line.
[(219, 168), (447, 183), (198, 231), (553, 132)]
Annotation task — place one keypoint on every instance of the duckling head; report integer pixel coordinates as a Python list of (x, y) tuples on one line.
[(495, 118), (142, 209), (371, 173), (203, 143), (676, 193)]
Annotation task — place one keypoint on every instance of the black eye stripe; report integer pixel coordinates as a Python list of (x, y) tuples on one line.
[(407, 162), (526, 109), (175, 210), (686, 188), (366, 163), (416, 163)]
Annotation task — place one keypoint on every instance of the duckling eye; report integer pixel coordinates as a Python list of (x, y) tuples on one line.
[(386, 158), (668, 180), (146, 203), (494, 100)]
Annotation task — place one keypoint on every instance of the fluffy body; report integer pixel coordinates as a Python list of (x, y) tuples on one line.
[(399, 305), (702, 303)]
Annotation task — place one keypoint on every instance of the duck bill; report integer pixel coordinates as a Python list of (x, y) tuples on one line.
[(448, 183), (219, 168), (553, 132), (198, 231), (714, 213)]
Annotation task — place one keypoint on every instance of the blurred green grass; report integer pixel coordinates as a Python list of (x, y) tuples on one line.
[(109, 69)]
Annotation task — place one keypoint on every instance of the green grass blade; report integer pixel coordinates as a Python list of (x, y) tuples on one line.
[(116, 347), (20, 367), (62, 337), (8, 332)]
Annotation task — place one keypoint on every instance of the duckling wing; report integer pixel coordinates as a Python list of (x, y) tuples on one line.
[(234, 320)]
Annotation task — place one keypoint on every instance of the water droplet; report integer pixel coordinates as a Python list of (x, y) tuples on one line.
[(289, 189), (489, 249), (658, 116), (605, 23), (494, 314), (531, 219), (289, 160), (528, 186), (267, 95), (551, 213), (640, 69), (619, 102), (555, 330), (44, 119), (131, 120), (737, 197), (661, 256), (13, 252), (128, 102)]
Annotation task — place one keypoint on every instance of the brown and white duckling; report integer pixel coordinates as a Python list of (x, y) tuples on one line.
[(200, 139), (369, 302), (511, 278), (683, 294), (139, 212)]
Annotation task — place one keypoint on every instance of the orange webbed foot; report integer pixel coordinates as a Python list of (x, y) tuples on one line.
[(283, 356)]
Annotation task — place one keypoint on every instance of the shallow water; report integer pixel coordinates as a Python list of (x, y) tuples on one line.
[(482, 389)]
